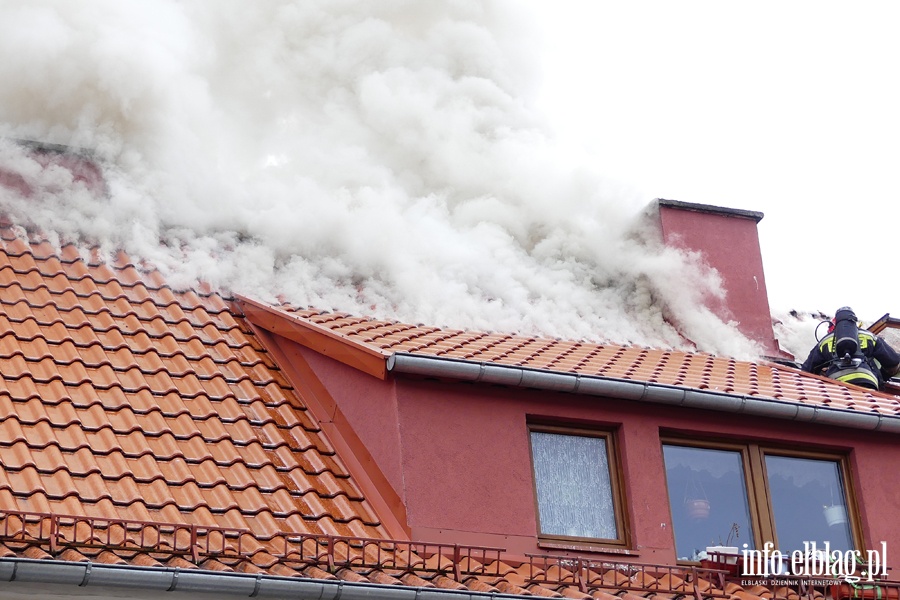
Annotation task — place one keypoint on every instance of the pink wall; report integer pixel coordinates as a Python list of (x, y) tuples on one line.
[(468, 473), (370, 405), (464, 466), (484, 454)]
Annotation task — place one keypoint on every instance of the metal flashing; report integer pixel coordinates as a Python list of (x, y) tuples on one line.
[(711, 209)]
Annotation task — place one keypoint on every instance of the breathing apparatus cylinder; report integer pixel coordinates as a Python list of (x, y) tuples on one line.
[(846, 333)]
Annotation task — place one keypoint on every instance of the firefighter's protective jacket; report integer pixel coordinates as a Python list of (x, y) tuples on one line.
[(877, 361)]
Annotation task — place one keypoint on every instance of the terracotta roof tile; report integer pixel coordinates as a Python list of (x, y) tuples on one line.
[(121, 398), (677, 368)]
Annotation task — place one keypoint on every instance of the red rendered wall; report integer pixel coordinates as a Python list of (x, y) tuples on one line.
[(468, 474), (370, 405), (488, 496), (459, 456)]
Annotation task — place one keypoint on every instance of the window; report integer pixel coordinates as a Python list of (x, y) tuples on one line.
[(708, 498), (726, 494), (808, 502), (576, 485)]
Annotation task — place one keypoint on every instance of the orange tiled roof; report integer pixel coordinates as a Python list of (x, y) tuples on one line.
[(693, 370), (120, 398), (144, 426)]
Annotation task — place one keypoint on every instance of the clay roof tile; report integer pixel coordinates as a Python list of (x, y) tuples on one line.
[(122, 398)]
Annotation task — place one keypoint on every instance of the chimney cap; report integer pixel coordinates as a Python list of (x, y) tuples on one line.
[(40, 146), (715, 210)]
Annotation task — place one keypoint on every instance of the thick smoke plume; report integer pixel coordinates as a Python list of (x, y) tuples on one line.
[(380, 158)]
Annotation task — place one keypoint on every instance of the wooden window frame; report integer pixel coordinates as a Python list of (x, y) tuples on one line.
[(756, 482), (616, 487)]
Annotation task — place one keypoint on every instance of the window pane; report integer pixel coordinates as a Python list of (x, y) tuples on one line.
[(708, 498), (573, 487), (808, 502)]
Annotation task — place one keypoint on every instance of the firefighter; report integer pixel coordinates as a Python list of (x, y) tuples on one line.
[(852, 354)]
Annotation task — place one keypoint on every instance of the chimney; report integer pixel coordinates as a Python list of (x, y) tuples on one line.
[(728, 240), (79, 162)]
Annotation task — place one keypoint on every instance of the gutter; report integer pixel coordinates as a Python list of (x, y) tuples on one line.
[(193, 581), (624, 389)]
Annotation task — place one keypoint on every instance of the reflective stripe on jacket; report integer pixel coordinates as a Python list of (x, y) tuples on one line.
[(878, 360), (866, 342), (861, 374)]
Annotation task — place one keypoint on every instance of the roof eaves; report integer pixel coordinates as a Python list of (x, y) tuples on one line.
[(116, 576), (329, 343), (460, 369)]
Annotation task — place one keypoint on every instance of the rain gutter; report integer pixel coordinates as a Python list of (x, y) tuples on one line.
[(193, 581), (641, 391)]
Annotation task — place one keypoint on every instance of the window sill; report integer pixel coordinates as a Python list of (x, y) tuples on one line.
[(586, 547)]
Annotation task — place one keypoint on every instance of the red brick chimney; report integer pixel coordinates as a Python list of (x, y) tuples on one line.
[(728, 240)]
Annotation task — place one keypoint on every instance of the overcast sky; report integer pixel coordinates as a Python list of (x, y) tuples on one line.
[(788, 108)]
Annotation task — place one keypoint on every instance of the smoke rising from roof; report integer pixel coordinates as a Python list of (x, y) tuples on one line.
[(380, 158)]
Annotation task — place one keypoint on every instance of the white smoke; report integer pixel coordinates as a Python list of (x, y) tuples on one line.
[(799, 331), (380, 158)]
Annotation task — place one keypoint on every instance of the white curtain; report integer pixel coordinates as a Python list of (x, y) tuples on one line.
[(573, 486)]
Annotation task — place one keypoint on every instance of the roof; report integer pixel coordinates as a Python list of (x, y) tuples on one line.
[(144, 426), (121, 398), (377, 341)]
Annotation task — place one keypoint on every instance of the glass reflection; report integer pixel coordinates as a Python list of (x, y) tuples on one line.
[(708, 499), (809, 503)]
